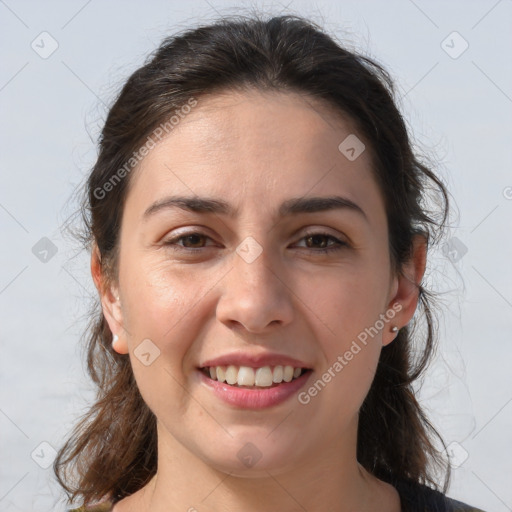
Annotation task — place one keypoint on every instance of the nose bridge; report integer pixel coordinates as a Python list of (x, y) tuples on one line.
[(254, 272), (253, 294)]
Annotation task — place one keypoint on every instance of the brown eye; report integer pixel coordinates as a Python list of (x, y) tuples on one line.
[(323, 242), (188, 241), (193, 240)]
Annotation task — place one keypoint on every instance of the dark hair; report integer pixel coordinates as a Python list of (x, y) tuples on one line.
[(112, 451)]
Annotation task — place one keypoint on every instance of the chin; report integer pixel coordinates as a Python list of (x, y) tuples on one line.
[(252, 456)]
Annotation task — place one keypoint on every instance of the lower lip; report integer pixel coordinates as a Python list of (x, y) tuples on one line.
[(259, 398)]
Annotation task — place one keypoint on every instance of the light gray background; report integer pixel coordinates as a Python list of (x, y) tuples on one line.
[(460, 108)]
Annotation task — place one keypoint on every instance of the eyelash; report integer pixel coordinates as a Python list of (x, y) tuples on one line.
[(338, 243)]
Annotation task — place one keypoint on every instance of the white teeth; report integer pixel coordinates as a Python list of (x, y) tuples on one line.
[(246, 376), (221, 375), (231, 374), (288, 373), (278, 374), (263, 377)]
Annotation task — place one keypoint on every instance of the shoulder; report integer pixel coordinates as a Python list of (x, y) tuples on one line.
[(416, 497), (105, 506)]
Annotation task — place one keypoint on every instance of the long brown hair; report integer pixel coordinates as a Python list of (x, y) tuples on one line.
[(112, 451)]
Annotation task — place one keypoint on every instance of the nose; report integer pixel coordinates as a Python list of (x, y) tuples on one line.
[(255, 296)]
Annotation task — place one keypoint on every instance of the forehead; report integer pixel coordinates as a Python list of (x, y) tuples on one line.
[(256, 148)]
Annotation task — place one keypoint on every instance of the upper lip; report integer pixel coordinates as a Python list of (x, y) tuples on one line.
[(255, 360)]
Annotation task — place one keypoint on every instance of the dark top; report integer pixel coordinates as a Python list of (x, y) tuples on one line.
[(414, 497), (420, 498)]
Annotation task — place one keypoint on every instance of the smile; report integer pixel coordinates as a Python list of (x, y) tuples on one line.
[(246, 376), (245, 387)]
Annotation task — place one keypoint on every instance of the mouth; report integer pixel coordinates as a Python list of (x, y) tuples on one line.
[(247, 377)]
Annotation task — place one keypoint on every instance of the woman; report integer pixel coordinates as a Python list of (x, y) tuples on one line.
[(258, 240)]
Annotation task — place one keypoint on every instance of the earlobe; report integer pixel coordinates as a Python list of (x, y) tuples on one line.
[(118, 345), (391, 330)]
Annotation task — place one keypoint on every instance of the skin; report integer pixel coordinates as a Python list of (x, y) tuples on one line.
[(256, 150)]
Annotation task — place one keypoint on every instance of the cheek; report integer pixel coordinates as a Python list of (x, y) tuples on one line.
[(347, 303), (158, 296), (350, 333), (162, 305), (351, 358)]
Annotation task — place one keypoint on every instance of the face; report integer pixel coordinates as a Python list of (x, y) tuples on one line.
[(264, 276)]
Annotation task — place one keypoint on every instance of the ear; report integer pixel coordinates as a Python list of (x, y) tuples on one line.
[(110, 302), (405, 287)]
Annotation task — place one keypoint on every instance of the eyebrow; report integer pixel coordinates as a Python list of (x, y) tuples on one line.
[(219, 206)]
